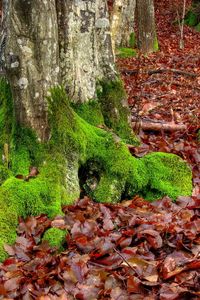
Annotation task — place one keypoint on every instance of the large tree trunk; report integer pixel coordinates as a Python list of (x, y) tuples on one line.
[(72, 47), (147, 39), (122, 23), (39, 128)]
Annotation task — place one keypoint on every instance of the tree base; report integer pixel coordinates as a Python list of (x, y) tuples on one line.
[(76, 147)]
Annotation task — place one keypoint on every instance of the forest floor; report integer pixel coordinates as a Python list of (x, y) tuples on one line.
[(167, 103), (134, 250)]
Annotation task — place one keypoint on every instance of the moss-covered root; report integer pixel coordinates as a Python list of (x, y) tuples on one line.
[(73, 144), (126, 52), (55, 237), (109, 189), (113, 101), (169, 175)]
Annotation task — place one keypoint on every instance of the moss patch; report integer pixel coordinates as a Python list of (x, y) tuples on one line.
[(191, 19), (115, 110), (55, 237), (169, 175), (155, 46), (197, 27), (132, 40), (90, 112), (126, 52)]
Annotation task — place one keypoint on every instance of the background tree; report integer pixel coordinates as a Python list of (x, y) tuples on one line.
[(147, 38), (122, 23), (49, 43)]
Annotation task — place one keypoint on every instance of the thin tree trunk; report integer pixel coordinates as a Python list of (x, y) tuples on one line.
[(147, 39), (122, 23)]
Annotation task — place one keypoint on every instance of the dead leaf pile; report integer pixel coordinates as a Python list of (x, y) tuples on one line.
[(133, 250)]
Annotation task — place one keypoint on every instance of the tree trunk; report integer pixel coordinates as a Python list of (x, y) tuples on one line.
[(147, 39), (86, 54), (32, 59), (72, 48), (122, 23), (39, 128)]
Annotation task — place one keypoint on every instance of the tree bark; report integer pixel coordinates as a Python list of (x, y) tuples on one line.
[(32, 59), (72, 48), (122, 23), (86, 55), (147, 39)]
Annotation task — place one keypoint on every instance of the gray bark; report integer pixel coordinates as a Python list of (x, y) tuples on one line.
[(32, 59), (147, 39), (53, 42), (122, 22), (85, 47)]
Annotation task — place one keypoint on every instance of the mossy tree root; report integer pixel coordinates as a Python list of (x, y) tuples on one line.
[(74, 145)]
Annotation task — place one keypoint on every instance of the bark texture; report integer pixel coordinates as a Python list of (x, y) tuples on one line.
[(86, 54), (147, 39), (32, 59), (51, 42), (122, 23)]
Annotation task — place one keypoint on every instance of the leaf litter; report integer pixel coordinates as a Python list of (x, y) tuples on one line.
[(151, 251)]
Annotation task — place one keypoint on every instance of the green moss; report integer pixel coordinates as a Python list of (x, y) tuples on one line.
[(126, 52), (43, 194), (6, 114), (197, 27), (198, 135), (191, 19), (169, 175), (90, 112), (74, 142), (155, 46), (132, 40), (55, 237), (109, 189), (8, 236), (115, 111), (4, 173)]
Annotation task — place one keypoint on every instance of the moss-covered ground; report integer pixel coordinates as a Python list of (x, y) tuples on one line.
[(55, 237), (73, 143), (192, 17), (126, 52)]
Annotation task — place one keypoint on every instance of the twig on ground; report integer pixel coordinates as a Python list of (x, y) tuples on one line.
[(124, 259), (157, 71), (157, 125)]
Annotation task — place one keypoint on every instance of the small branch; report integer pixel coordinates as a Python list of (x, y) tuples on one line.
[(124, 259), (157, 126), (182, 26), (158, 71), (173, 83)]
